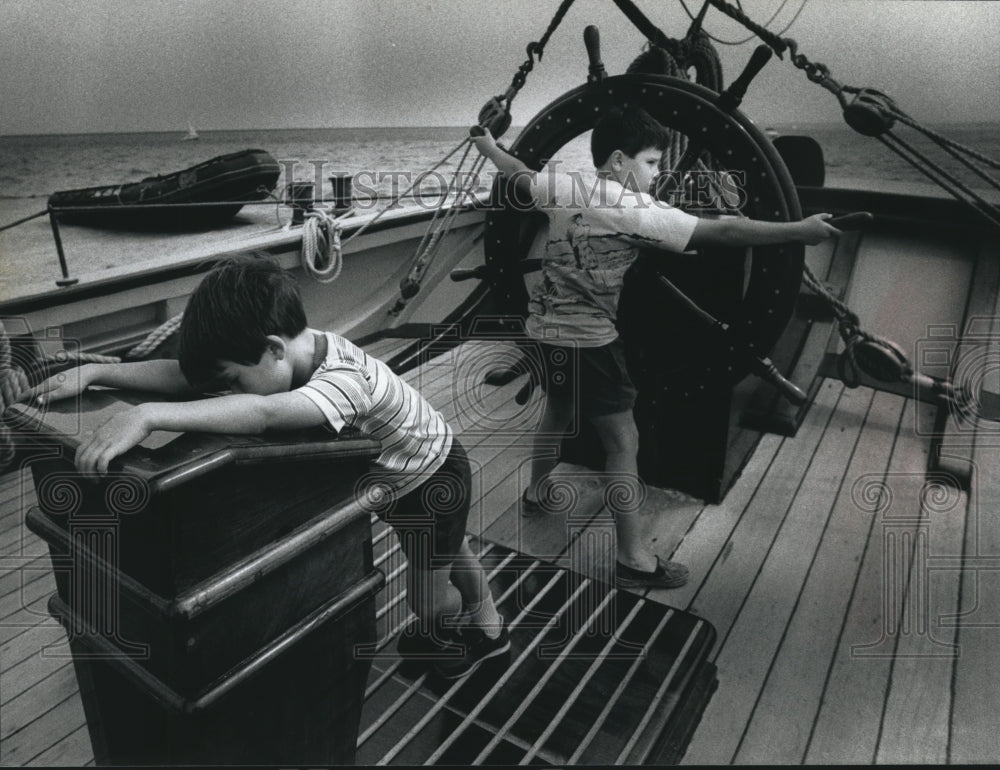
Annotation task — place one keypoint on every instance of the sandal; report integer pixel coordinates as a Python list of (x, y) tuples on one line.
[(669, 574)]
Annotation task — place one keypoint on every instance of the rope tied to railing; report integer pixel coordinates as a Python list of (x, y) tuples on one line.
[(22, 220), (322, 250), (23, 365), (494, 116), (156, 337), (321, 246), (13, 383), (461, 187)]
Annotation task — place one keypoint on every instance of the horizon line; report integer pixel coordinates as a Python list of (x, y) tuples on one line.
[(181, 132)]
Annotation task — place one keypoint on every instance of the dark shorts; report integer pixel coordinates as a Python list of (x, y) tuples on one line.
[(595, 380), (430, 521)]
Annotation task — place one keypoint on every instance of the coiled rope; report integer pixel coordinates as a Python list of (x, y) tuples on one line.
[(13, 383), (322, 244), (766, 25), (321, 248), (321, 254), (673, 57), (18, 374)]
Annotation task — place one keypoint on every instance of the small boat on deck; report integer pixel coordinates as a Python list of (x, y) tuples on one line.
[(839, 533), (207, 194)]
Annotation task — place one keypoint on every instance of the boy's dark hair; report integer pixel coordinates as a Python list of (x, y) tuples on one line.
[(233, 310), (629, 129)]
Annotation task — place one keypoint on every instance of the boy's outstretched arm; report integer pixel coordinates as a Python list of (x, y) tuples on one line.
[(157, 376), (737, 231), (506, 163), (239, 413)]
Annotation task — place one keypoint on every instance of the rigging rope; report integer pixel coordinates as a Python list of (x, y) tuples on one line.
[(321, 246), (882, 358), (22, 220), (495, 116), (873, 114), (322, 243), (672, 57), (394, 200), (20, 373), (13, 382), (431, 242), (766, 25), (863, 351), (156, 337)]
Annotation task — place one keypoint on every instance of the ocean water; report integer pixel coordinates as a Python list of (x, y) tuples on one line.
[(388, 158)]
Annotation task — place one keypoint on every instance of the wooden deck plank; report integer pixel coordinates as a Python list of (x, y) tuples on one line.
[(17, 541), (722, 591), (976, 685), (18, 498), (22, 676), (496, 483), (790, 698), (72, 751), (15, 579), (900, 281), (747, 651), (705, 542), (34, 593), (24, 620), (543, 536), (13, 484), (710, 541), (387, 347), (13, 524), (10, 479), (56, 731), (25, 645), (35, 703), (920, 689), (849, 721)]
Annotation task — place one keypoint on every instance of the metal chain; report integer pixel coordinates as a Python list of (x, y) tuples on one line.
[(815, 71), (535, 49)]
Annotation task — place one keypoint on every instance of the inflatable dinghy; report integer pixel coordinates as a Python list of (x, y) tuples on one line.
[(227, 180)]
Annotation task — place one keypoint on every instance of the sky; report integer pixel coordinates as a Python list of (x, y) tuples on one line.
[(81, 66)]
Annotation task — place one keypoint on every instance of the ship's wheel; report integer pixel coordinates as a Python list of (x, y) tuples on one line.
[(750, 292)]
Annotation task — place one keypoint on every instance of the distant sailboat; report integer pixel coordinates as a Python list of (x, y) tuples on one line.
[(192, 133)]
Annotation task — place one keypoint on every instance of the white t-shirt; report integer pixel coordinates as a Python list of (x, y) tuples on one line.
[(595, 230), (353, 388)]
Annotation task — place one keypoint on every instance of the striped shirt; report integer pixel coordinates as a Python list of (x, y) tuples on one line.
[(353, 388)]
